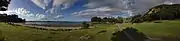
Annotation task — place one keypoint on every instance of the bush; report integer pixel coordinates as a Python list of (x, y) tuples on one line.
[(85, 25)]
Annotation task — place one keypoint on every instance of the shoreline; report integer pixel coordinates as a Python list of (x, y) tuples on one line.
[(44, 27)]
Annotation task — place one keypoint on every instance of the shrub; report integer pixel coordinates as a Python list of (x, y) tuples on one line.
[(85, 25)]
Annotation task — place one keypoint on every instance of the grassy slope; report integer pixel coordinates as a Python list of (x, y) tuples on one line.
[(170, 29), (167, 28), (18, 33)]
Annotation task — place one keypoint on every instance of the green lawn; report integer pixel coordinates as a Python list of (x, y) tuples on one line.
[(167, 28), (20, 33), (154, 30)]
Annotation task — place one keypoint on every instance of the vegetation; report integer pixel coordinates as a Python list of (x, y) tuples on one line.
[(2, 38), (85, 25), (20, 33), (168, 30), (107, 20), (4, 4), (96, 19), (161, 12), (8, 18), (101, 32), (160, 29)]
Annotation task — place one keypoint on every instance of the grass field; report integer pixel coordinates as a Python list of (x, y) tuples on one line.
[(166, 31), (20, 33)]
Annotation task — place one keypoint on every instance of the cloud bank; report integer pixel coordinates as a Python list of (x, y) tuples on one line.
[(25, 14), (49, 4), (104, 8), (52, 8)]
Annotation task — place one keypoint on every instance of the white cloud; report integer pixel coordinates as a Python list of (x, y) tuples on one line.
[(64, 3), (25, 14), (168, 2), (106, 8), (53, 7), (58, 16), (44, 4), (123, 7), (41, 3), (101, 12), (98, 7)]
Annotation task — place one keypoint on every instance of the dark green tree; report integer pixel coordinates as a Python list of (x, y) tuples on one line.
[(105, 19), (96, 19), (119, 19), (85, 25), (4, 4)]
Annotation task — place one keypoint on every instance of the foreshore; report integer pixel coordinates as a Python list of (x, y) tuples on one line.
[(47, 28)]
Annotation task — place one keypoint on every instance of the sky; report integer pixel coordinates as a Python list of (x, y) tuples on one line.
[(80, 10)]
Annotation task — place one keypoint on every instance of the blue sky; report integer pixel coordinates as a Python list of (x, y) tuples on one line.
[(33, 8), (80, 10)]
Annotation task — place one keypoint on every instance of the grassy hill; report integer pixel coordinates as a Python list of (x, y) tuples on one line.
[(160, 12), (160, 22)]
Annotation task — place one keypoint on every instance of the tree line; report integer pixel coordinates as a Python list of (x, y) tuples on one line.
[(10, 18), (107, 19)]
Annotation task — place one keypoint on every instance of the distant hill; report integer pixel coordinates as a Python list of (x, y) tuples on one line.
[(160, 12)]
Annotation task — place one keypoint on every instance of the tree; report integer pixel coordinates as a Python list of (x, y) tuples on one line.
[(96, 19), (8, 18), (4, 4), (105, 19), (137, 18), (85, 25), (119, 19)]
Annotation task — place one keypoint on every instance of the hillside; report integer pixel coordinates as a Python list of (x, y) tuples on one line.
[(160, 12)]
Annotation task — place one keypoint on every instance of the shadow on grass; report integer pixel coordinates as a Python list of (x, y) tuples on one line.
[(2, 38), (129, 34)]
